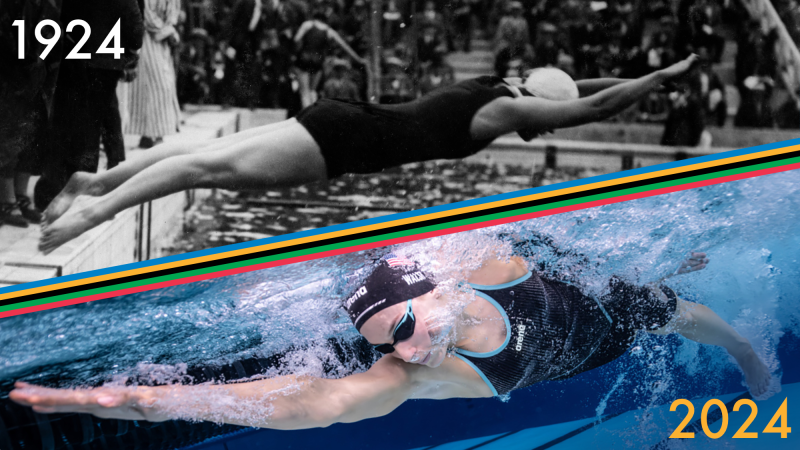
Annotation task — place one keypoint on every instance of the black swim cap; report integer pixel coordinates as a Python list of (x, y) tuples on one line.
[(394, 281)]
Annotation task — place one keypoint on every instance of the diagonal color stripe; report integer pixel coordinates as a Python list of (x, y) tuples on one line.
[(407, 221), (483, 204), (252, 262), (488, 204), (364, 244)]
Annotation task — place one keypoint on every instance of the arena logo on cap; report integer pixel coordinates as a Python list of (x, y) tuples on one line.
[(412, 278), (358, 294)]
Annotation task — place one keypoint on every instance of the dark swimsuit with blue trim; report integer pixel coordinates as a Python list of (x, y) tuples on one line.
[(554, 332)]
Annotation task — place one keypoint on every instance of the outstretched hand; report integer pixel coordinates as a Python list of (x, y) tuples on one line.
[(681, 67), (696, 261), (103, 402)]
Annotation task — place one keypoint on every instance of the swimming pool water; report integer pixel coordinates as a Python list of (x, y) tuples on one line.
[(750, 230)]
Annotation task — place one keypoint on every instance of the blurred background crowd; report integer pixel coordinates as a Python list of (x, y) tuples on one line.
[(254, 53), (58, 113)]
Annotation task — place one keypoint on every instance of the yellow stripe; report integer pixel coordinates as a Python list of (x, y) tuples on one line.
[(405, 221)]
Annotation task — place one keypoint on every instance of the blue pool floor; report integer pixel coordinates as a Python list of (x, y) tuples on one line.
[(627, 430)]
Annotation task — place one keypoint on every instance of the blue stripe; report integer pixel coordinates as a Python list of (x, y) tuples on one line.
[(496, 287), (401, 216), (486, 380), (508, 331)]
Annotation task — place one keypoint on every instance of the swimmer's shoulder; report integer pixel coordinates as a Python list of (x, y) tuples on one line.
[(452, 379), (495, 271)]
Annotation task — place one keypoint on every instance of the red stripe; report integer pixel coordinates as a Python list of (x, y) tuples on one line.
[(401, 240)]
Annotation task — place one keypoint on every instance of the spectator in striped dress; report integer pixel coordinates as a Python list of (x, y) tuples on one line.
[(154, 109)]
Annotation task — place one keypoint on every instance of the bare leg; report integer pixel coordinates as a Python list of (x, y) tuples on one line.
[(701, 324), (84, 183), (285, 156)]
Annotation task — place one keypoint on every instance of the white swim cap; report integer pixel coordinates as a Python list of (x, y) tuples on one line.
[(552, 84)]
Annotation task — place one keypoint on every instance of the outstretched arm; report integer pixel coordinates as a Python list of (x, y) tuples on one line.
[(592, 86), (286, 402)]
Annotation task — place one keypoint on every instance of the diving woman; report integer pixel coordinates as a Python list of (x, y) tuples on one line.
[(334, 137)]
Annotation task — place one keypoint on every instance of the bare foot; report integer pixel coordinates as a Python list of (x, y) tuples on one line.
[(80, 183), (67, 227), (756, 373)]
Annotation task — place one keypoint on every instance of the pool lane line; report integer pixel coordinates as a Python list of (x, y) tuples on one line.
[(697, 425), (544, 446), (777, 154), (56, 301), (576, 432), (496, 438)]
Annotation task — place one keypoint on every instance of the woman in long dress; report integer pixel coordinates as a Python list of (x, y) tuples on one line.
[(154, 109)]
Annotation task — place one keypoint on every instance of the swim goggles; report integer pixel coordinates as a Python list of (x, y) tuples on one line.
[(404, 330)]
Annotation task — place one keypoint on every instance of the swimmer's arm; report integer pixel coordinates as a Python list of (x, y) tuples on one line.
[(286, 402), (304, 27), (349, 50), (594, 85)]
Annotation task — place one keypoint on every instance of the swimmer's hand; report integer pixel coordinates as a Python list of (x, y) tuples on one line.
[(681, 67), (696, 261), (103, 402)]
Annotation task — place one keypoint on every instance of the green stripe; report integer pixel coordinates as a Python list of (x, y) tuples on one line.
[(399, 234)]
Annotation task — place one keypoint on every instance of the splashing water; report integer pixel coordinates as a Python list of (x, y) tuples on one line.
[(750, 230)]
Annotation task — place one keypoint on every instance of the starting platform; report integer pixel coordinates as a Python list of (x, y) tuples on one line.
[(136, 234)]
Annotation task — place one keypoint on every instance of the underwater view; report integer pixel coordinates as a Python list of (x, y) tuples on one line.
[(290, 319)]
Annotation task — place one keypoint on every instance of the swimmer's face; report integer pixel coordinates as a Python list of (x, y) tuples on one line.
[(424, 346)]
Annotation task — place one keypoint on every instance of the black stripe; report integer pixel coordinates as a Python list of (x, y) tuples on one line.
[(492, 440), (575, 432), (546, 445), (697, 425), (400, 228)]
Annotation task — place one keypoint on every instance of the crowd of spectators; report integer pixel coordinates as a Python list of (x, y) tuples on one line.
[(789, 12), (286, 53), (627, 39)]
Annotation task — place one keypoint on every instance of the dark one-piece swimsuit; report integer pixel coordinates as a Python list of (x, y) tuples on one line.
[(359, 137), (554, 332)]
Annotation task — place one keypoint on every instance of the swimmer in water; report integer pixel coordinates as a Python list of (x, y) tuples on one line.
[(334, 137), (520, 328)]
